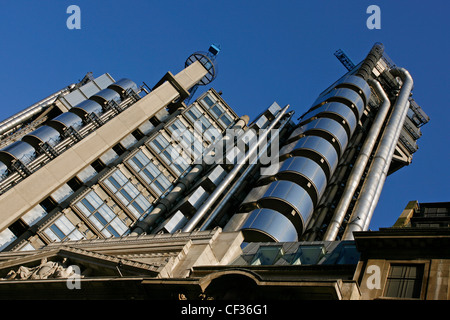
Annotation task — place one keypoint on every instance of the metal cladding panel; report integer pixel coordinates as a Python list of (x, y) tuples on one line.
[(106, 95), (176, 222), (3, 170), (43, 134), (288, 198), (344, 94), (87, 107), (359, 83), (263, 223), (307, 168), (65, 120), (19, 150), (123, 85), (340, 109), (331, 126), (321, 146)]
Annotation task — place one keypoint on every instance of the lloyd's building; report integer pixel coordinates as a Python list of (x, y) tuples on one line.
[(147, 192)]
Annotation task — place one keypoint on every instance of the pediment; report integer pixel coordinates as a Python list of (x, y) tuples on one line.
[(55, 263)]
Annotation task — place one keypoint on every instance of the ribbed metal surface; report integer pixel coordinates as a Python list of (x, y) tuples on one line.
[(18, 150), (306, 173), (122, 86), (339, 112), (345, 95), (106, 95), (87, 107), (41, 135), (358, 84), (320, 146), (310, 158), (268, 225), (65, 120), (289, 199), (329, 129)]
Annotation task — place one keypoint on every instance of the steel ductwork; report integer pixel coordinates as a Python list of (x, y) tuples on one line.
[(284, 202)]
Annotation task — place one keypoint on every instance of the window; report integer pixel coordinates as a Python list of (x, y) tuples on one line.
[(267, 255), (310, 254), (203, 124), (171, 155), (150, 173), (218, 111), (6, 238), (191, 143), (344, 253), (63, 229), (404, 281), (34, 215), (102, 216), (127, 193)]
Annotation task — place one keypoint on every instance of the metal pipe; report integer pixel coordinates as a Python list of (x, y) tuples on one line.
[(229, 178), (370, 192), (381, 182), (29, 112), (166, 203), (360, 164), (240, 180)]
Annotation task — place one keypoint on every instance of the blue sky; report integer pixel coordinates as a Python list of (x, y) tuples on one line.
[(271, 51)]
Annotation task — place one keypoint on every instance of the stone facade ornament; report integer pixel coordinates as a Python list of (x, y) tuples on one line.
[(47, 269)]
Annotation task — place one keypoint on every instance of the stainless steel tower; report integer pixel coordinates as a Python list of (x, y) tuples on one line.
[(335, 160)]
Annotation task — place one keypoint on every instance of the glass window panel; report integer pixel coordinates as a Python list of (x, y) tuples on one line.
[(119, 226), (34, 215), (106, 212), (96, 223), (51, 235), (126, 195), (62, 193), (65, 225), (94, 199), (6, 237), (88, 206), (404, 281), (57, 232), (208, 101), (267, 255), (113, 231)]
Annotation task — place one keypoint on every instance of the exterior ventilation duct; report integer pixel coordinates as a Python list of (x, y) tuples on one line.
[(66, 120), (360, 165), (309, 159), (44, 134), (376, 176), (122, 86)]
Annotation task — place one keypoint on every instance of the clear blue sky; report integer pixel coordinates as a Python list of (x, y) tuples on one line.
[(271, 51)]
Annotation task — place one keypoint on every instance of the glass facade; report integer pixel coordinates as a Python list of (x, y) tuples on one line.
[(150, 171), (63, 229), (123, 184), (101, 215), (404, 281), (170, 153), (127, 194), (217, 110)]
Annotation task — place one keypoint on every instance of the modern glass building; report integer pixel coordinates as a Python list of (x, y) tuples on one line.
[(105, 158), (112, 174)]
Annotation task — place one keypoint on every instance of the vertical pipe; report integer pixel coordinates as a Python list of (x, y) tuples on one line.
[(166, 203), (201, 212), (239, 182), (360, 164), (369, 194)]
